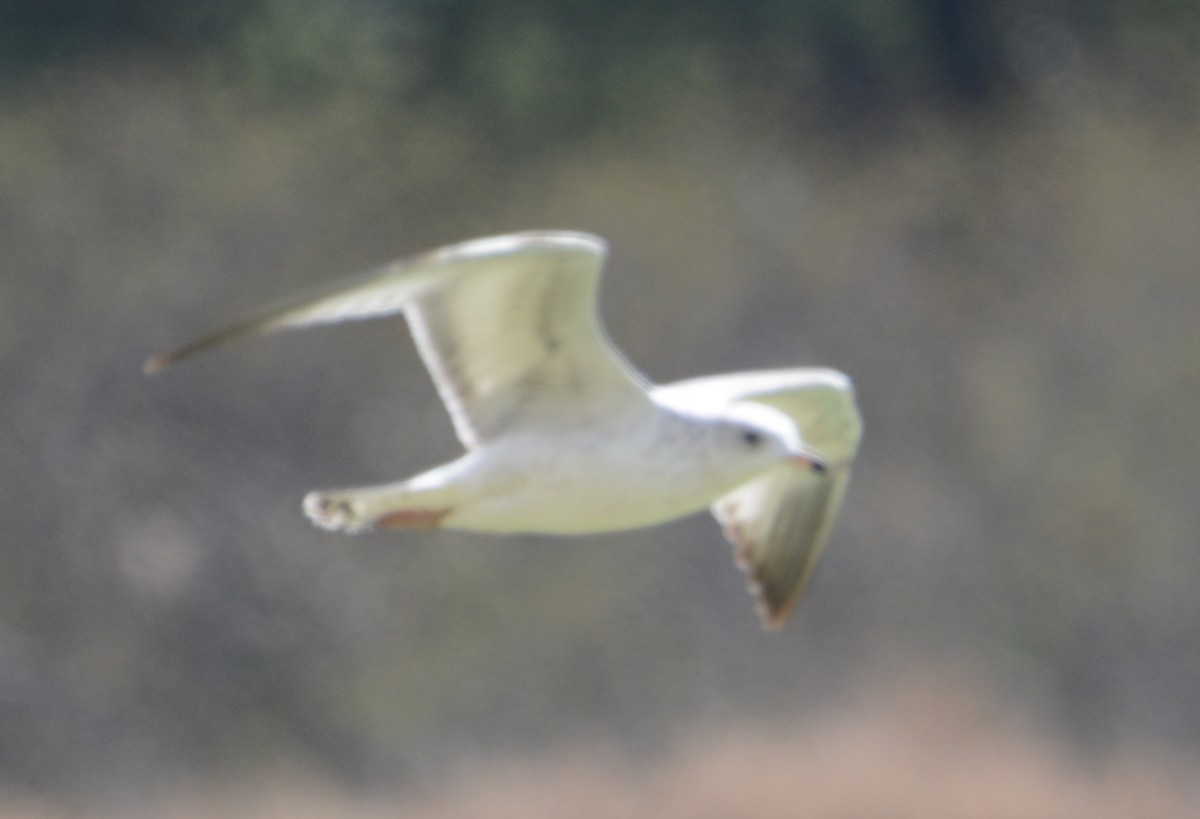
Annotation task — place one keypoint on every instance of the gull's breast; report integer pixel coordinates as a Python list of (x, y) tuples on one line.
[(582, 484)]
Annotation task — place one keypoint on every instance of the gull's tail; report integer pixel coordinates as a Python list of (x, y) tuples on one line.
[(404, 505)]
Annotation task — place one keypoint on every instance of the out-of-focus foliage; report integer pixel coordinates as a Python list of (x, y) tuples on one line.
[(39, 35), (987, 217), (531, 72)]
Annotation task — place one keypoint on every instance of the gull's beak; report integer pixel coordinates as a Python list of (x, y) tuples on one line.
[(809, 461)]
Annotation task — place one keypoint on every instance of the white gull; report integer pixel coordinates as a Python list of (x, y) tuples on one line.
[(563, 436)]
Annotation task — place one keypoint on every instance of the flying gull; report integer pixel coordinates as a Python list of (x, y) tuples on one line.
[(563, 436)]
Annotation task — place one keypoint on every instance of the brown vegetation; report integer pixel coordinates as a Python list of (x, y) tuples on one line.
[(927, 751)]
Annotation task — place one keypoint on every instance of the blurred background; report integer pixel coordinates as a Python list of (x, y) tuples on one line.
[(986, 212)]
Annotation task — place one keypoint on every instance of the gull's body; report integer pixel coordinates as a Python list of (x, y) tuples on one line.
[(562, 436)]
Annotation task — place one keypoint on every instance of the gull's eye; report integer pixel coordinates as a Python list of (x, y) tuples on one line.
[(751, 438)]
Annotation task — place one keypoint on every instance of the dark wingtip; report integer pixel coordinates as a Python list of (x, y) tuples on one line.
[(774, 605), (774, 611), (772, 621), (156, 364)]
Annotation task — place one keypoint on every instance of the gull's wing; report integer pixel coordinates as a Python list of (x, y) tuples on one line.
[(506, 325), (779, 523)]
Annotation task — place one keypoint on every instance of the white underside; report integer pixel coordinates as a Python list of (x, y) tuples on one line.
[(574, 482)]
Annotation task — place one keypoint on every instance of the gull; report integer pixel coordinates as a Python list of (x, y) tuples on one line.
[(563, 436)]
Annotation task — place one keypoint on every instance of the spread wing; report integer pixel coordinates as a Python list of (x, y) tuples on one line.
[(506, 326), (779, 523)]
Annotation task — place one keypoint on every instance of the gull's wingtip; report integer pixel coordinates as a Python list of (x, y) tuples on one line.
[(156, 364), (773, 616), (774, 609), (773, 603)]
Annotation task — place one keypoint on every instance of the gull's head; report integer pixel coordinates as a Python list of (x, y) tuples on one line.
[(762, 438)]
